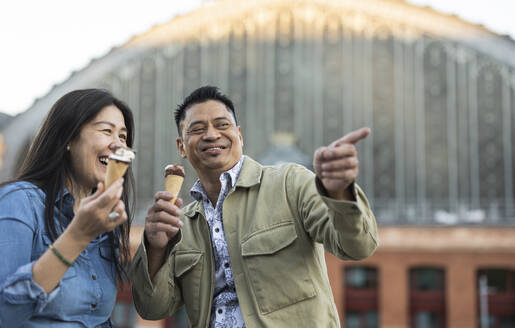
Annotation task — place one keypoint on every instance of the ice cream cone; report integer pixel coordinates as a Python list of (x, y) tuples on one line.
[(117, 166), (174, 177), (115, 170)]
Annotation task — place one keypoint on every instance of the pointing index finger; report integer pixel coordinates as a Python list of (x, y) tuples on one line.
[(352, 137)]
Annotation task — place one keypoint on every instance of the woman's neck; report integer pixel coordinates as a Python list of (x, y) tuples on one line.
[(78, 192)]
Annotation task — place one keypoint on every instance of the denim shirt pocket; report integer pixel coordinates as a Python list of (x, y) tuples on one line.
[(71, 272), (277, 271), (188, 271)]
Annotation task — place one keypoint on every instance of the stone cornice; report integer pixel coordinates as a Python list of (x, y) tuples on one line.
[(449, 239)]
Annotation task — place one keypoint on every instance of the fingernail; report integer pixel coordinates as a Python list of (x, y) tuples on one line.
[(181, 224)]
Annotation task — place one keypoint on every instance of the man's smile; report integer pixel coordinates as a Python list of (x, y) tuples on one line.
[(213, 149)]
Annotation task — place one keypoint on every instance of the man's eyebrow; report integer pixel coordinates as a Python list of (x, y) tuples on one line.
[(220, 118), (195, 122), (108, 123)]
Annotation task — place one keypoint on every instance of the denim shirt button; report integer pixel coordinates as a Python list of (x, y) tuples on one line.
[(93, 277), (94, 305)]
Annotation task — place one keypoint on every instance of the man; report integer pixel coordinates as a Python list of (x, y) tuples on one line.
[(249, 252)]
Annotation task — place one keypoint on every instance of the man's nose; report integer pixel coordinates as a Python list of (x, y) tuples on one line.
[(211, 133)]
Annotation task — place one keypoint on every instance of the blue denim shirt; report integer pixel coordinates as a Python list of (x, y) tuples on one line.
[(86, 295)]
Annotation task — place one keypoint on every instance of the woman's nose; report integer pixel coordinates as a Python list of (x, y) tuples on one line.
[(115, 144)]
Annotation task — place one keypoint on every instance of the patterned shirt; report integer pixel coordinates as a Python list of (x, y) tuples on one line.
[(225, 312)]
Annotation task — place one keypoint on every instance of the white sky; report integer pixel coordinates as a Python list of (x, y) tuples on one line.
[(44, 41)]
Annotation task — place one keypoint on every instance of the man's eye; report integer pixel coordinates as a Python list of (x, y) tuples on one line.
[(196, 130), (223, 125), (123, 136)]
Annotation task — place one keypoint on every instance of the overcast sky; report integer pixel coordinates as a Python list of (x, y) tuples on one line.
[(44, 41)]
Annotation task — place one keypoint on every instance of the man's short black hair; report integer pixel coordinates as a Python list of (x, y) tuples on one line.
[(201, 95)]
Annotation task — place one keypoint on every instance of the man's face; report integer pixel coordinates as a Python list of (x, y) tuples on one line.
[(211, 141)]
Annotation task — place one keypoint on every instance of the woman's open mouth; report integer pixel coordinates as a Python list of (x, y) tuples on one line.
[(103, 160)]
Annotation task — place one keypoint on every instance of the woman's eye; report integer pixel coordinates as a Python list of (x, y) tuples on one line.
[(123, 136), (107, 130)]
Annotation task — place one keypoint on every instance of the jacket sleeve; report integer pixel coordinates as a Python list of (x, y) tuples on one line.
[(20, 296), (347, 229), (158, 298)]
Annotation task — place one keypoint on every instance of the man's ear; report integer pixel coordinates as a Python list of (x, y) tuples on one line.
[(180, 147), (240, 135)]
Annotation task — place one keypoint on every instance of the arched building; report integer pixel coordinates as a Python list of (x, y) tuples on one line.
[(438, 169)]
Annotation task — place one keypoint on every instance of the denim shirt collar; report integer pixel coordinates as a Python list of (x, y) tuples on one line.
[(68, 202)]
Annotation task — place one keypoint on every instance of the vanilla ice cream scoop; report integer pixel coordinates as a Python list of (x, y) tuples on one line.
[(123, 155)]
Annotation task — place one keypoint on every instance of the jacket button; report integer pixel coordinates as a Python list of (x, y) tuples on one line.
[(226, 264), (220, 311), (217, 230)]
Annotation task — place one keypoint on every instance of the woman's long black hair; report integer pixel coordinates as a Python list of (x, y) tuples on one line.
[(48, 164)]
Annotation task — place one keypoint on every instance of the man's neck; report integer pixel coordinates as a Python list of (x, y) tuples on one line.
[(212, 186), (210, 180)]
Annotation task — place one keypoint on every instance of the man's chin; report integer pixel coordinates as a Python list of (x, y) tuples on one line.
[(218, 163)]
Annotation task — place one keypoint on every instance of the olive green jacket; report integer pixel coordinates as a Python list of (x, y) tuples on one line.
[(277, 225)]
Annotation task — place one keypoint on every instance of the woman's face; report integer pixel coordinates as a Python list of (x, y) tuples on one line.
[(90, 149)]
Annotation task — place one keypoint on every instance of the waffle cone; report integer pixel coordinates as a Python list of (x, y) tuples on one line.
[(173, 185), (115, 170)]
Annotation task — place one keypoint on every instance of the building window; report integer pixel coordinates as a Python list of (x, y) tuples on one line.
[(496, 295), (361, 305), (427, 297)]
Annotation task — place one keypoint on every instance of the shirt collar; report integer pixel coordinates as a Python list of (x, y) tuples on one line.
[(68, 201), (230, 176)]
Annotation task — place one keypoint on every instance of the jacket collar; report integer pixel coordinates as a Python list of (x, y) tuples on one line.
[(250, 175)]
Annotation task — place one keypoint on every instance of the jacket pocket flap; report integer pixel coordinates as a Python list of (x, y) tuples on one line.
[(270, 240), (185, 260)]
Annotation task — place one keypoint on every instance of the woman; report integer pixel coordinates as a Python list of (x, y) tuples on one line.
[(61, 250)]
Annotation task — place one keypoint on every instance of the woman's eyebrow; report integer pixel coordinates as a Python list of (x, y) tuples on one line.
[(109, 123)]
